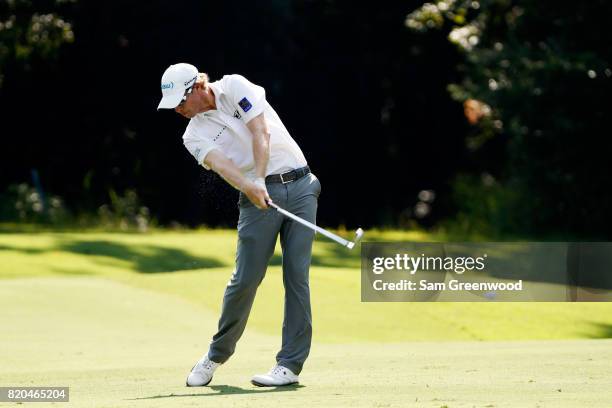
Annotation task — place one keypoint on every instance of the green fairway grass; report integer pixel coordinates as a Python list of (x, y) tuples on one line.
[(116, 345), (195, 266), (120, 318)]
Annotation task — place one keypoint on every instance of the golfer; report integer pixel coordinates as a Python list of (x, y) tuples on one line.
[(234, 132)]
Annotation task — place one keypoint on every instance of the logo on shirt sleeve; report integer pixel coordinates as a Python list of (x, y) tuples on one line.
[(245, 104)]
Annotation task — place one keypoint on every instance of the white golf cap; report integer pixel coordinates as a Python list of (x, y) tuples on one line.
[(174, 83)]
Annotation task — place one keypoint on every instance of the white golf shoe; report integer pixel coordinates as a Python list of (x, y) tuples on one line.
[(201, 374), (277, 376)]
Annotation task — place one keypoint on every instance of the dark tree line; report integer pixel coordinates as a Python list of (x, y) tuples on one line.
[(361, 89), (542, 74)]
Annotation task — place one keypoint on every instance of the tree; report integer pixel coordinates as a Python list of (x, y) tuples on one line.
[(543, 68), (29, 33)]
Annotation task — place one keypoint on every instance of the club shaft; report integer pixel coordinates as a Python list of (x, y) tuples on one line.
[(312, 226)]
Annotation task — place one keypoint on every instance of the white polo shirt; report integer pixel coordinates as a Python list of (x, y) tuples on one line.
[(238, 101)]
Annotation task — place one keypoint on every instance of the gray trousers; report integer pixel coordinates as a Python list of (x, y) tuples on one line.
[(257, 234)]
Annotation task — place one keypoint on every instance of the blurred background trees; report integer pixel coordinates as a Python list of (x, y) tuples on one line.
[(31, 34), (486, 117), (540, 74)]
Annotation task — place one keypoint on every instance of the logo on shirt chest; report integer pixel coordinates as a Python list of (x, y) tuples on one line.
[(219, 134), (237, 114)]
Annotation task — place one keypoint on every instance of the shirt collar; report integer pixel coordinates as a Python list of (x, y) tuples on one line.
[(217, 90)]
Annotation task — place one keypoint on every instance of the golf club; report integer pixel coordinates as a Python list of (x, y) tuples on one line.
[(332, 236)]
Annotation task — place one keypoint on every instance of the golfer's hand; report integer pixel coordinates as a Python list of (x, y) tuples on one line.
[(258, 194)]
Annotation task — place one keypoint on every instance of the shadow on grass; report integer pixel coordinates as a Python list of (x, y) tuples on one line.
[(155, 259), (227, 390), (603, 331), (328, 254), (29, 251), (142, 258)]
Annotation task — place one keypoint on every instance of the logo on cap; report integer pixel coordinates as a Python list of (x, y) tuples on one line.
[(169, 85), (191, 80)]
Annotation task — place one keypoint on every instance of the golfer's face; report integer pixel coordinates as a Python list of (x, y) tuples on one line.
[(187, 107)]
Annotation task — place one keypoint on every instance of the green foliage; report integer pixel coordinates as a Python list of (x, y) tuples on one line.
[(124, 212), (24, 203), (486, 207), (29, 31), (544, 69)]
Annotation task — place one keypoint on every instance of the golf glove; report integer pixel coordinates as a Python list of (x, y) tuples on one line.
[(261, 182)]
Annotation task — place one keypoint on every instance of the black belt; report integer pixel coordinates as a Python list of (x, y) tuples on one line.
[(289, 176)]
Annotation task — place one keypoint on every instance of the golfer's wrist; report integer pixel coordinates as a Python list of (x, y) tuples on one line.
[(246, 186), (260, 182)]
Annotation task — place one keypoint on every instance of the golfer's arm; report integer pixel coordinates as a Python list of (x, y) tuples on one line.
[(220, 164), (261, 144)]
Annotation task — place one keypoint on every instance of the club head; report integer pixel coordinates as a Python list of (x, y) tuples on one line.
[(358, 236)]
